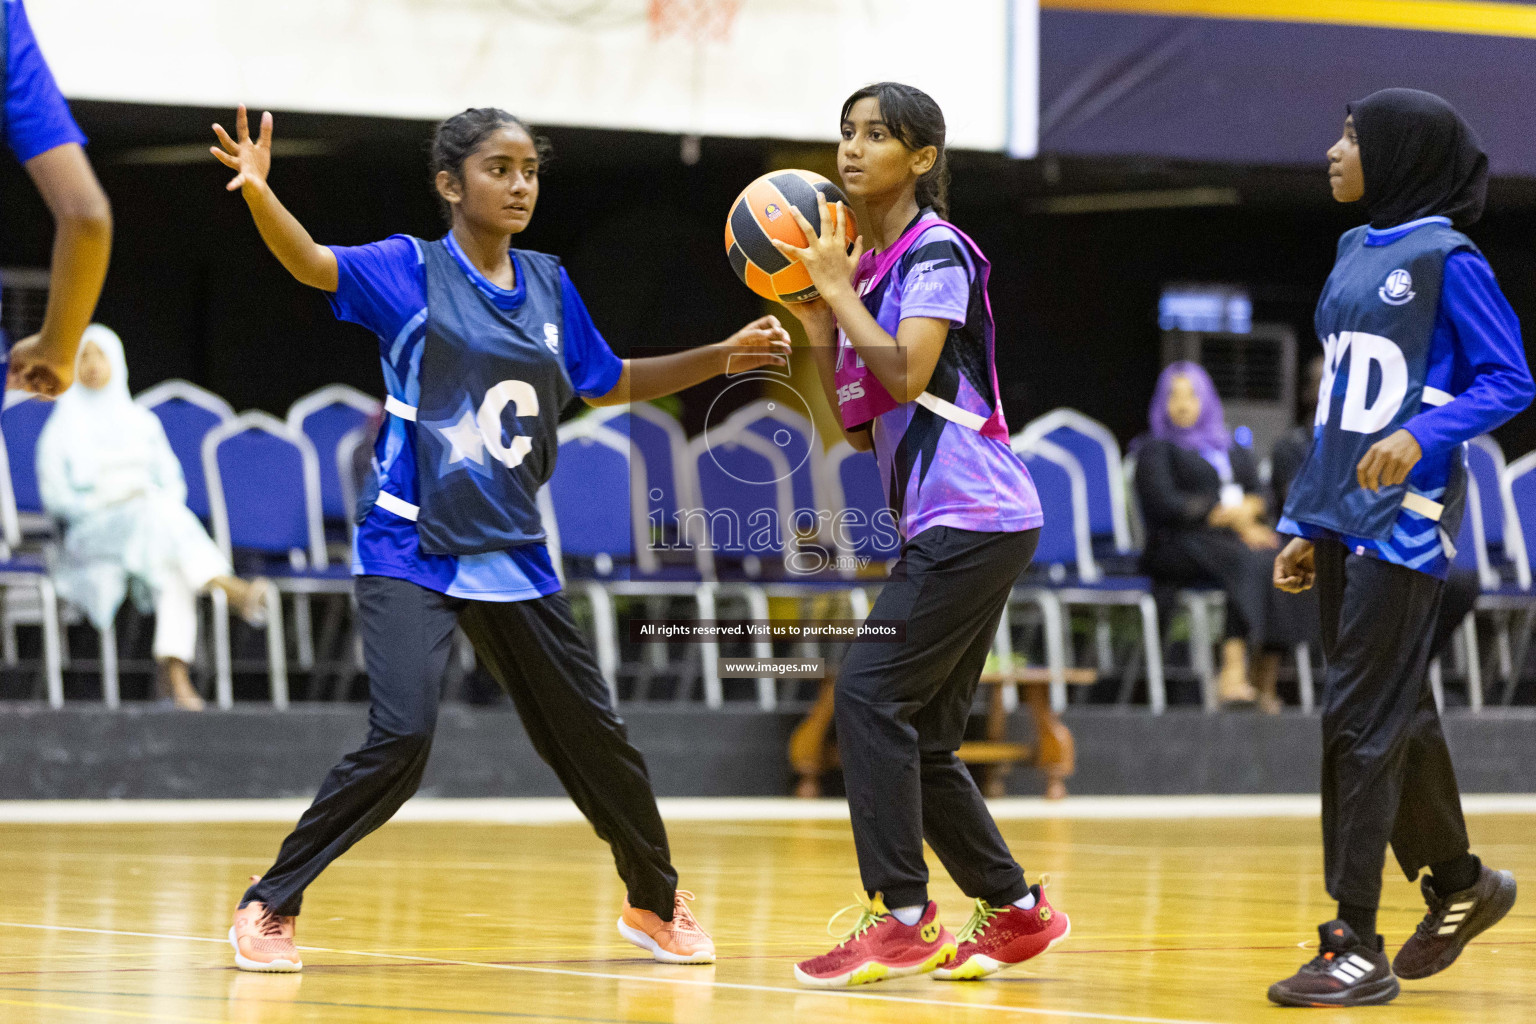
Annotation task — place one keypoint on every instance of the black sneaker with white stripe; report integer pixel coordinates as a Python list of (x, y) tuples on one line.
[(1454, 921), (1345, 972)]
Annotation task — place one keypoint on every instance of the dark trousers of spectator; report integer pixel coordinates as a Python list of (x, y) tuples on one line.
[(1387, 775), (539, 655), (901, 709)]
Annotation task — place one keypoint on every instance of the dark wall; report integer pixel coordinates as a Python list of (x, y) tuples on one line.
[(195, 294)]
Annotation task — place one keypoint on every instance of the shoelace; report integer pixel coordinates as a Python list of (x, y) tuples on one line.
[(681, 915), (982, 914), (270, 925), (868, 918), (1429, 928)]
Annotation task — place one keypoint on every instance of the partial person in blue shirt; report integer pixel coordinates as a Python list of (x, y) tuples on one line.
[(44, 137), (1421, 354), (481, 346)]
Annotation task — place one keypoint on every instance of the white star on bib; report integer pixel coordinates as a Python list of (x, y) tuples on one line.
[(465, 440)]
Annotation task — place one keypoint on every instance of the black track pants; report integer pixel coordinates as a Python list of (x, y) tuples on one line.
[(1387, 775), (539, 655)]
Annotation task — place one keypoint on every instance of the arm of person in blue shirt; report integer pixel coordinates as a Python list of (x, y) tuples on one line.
[(602, 378), (46, 140), (1490, 371)]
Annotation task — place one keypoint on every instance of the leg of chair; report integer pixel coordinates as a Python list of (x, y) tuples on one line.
[(277, 651), (304, 634), (1474, 662), (1304, 677), (1055, 645), (606, 630), (1201, 642), (1437, 684), (1002, 646), (1522, 648), (1103, 641), (767, 686), (223, 662), (110, 694), (53, 662), (1152, 643), (709, 650), (1502, 640), (8, 631)]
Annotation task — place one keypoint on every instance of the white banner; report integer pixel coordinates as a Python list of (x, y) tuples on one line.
[(781, 70)]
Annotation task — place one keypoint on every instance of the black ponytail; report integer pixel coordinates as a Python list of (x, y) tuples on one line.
[(916, 121), (459, 136)]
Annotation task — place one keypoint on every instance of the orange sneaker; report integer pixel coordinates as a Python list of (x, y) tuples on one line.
[(678, 941), (264, 941)]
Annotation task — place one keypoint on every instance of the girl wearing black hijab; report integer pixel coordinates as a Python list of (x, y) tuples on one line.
[(1421, 354)]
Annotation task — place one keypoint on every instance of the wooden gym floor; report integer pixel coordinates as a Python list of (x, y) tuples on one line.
[(1171, 921)]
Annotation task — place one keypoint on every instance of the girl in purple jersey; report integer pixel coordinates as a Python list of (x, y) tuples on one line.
[(903, 339)]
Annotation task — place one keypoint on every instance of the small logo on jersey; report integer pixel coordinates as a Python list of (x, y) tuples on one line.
[(552, 337), (1398, 291), (848, 392), (772, 211), (930, 931), (927, 265)]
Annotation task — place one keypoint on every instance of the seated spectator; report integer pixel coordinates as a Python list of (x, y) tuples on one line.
[(1199, 495), (106, 469)]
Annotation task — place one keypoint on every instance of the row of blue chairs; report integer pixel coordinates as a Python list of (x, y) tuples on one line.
[(274, 503), (1077, 464)]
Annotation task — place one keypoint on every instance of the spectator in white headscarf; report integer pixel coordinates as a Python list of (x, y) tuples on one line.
[(105, 468)]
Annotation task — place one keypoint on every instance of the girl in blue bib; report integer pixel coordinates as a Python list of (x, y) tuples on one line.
[(1421, 354), (481, 346)]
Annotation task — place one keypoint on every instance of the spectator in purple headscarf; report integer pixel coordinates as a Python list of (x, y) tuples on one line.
[(1199, 495)]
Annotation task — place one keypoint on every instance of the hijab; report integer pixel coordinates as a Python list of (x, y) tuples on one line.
[(1420, 159), (101, 432), (1208, 434)]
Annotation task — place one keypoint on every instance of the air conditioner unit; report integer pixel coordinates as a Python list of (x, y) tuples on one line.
[(1254, 373)]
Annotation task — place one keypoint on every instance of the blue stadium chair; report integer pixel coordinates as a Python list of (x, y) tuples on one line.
[(264, 492), (22, 423), (657, 438), (26, 573), (1098, 453), (187, 412), (1066, 569), (851, 483), (325, 417), (741, 529), (793, 435)]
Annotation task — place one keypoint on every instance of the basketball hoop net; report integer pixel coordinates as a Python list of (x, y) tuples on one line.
[(698, 20)]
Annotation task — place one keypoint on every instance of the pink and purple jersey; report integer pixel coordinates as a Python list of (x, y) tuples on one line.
[(936, 471)]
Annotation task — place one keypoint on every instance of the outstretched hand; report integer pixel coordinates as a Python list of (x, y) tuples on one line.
[(251, 159), (825, 257), (763, 342)]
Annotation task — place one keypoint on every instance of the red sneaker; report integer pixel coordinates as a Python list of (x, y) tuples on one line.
[(880, 947), (998, 937)]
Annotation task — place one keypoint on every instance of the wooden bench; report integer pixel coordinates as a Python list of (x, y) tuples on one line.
[(811, 753)]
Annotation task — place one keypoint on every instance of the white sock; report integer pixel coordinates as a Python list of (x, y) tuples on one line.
[(909, 915), (1027, 902)]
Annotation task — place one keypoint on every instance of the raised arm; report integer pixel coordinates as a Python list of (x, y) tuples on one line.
[(309, 262), (82, 244)]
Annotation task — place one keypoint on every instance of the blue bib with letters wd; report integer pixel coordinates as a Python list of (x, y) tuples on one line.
[(493, 382), (1376, 319)]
